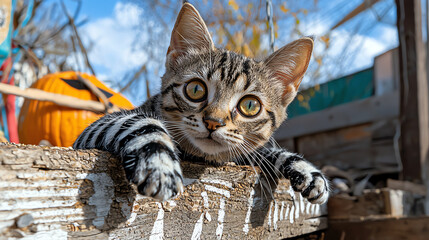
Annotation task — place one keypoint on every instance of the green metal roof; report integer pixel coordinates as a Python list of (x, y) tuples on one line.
[(335, 92)]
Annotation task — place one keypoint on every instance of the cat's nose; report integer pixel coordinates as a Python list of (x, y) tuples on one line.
[(212, 123)]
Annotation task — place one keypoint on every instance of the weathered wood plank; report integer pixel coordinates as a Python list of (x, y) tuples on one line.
[(354, 113), (393, 229), (375, 203), (365, 146), (414, 91), (415, 188), (84, 195)]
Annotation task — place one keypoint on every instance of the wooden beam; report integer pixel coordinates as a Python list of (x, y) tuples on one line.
[(392, 228), (349, 114), (375, 203), (414, 90), (361, 8), (59, 193), (366, 148)]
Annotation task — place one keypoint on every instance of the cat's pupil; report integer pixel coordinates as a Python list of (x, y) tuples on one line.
[(249, 106), (196, 89)]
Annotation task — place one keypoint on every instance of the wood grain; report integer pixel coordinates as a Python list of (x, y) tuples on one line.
[(416, 228), (414, 98), (362, 147), (349, 114), (84, 195)]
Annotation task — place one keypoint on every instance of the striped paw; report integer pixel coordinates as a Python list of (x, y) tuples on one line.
[(308, 180), (159, 176)]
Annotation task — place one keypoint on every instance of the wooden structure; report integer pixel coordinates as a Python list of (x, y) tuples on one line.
[(59, 193), (360, 136), (388, 132), (393, 229), (414, 91)]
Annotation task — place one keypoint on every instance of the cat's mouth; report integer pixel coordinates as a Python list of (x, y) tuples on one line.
[(210, 140), (209, 144)]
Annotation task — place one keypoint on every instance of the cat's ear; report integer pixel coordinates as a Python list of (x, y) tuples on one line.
[(289, 63), (189, 32)]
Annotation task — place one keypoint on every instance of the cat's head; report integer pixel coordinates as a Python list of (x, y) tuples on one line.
[(218, 103)]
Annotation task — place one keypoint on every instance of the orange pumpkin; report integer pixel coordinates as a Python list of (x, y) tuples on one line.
[(42, 120)]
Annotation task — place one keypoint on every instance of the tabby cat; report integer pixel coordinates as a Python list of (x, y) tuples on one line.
[(214, 105)]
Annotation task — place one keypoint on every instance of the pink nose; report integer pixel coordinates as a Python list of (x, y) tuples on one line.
[(213, 124)]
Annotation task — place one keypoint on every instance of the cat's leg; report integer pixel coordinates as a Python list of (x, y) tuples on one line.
[(303, 176), (147, 151)]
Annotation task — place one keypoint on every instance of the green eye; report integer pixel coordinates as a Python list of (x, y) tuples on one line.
[(195, 90), (249, 106)]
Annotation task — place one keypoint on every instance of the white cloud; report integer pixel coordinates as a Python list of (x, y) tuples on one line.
[(127, 14), (112, 40), (349, 52)]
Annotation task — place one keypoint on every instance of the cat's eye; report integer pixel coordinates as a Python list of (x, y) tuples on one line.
[(195, 90), (249, 106)]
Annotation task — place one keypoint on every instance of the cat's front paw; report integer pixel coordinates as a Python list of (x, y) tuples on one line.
[(159, 176), (309, 181)]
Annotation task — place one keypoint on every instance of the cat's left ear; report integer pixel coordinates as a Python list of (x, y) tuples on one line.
[(289, 63), (189, 32)]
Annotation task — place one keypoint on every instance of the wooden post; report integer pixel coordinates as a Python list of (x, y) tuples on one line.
[(59, 193), (414, 90)]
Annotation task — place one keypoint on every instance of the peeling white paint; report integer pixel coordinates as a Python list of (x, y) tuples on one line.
[(287, 212), (50, 227), (157, 232), (269, 214), (307, 208), (291, 192), (172, 203), (224, 192), (57, 212), (64, 218), (313, 221), (281, 210), (317, 210), (205, 199), (42, 175), (250, 202), (28, 184), (292, 211), (42, 193), (103, 193), (26, 203), (296, 211), (198, 228), (301, 203), (313, 209), (208, 216), (57, 234), (40, 216), (218, 181), (6, 224), (221, 216), (276, 215)]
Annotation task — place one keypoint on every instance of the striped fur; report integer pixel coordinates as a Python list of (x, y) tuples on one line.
[(147, 151), (212, 128)]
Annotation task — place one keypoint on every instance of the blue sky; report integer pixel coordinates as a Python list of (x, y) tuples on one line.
[(112, 32)]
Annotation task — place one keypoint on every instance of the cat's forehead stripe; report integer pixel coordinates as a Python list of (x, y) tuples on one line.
[(240, 83)]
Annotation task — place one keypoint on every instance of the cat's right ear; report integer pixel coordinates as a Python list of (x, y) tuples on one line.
[(289, 63), (189, 32)]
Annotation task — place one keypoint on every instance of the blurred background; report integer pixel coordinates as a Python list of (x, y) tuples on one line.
[(125, 41), (361, 115)]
